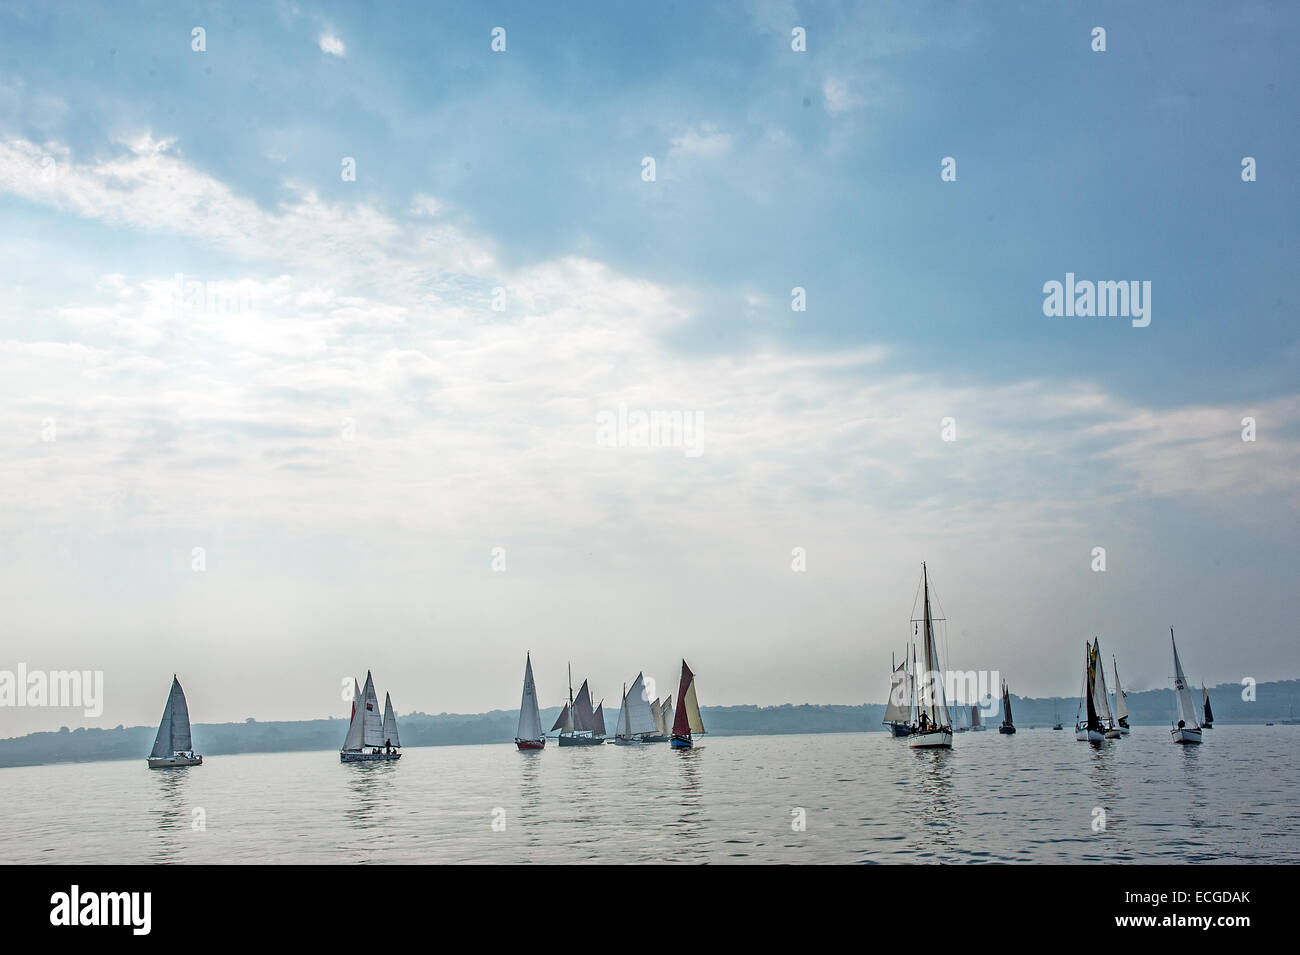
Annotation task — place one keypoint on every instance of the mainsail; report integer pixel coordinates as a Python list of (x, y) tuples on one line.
[(174, 728), (530, 717), (620, 728), (666, 716), (390, 722), (584, 720), (367, 725), (640, 717), (1209, 714), (1006, 703), (974, 717), (1089, 679), (1100, 699), (1186, 711), (933, 703), (688, 721)]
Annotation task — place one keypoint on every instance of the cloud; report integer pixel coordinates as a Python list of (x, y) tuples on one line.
[(331, 44), (704, 141)]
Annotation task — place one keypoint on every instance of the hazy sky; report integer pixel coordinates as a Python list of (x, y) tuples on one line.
[(379, 380)]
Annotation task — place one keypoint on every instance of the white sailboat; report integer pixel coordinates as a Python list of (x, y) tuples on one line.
[(372, 736), (172, 746), (1187, 729), (529, 734), (636, 720), (934, 729), (1121, 702), (660, 734), (666, 717)]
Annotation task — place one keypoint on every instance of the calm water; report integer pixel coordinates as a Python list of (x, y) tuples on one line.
[(1028, 797)]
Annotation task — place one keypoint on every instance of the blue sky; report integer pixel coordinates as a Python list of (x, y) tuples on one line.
[(522, 170)]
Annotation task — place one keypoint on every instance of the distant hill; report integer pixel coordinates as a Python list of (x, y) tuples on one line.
[(1274, 702)]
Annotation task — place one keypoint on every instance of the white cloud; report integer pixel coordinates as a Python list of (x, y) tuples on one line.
[(704, 141), (331, 44)]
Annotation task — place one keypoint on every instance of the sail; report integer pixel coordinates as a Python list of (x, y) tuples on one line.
[(657, 711), (620, 728), (1209, 714), (1006, 702), (934, 704), (1121, 704), (372, 721), (692, 708), (356, 695), (584, 720), (564, 723), (530, 717), (640, 718), (1186, 712), (1100, 700), (896, 708), (974, 716), (390, 722), (666, 719), (352, 741), (682, 722), (598, 720), (174, 727), (1089, 678)]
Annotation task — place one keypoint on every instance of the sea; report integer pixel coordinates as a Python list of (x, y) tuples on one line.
[(1037, 796)]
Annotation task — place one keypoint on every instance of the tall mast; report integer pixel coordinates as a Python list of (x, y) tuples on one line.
[(931, 709)]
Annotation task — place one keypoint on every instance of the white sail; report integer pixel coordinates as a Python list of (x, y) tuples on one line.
[(352, 741), (692, 705), (640, 718), (620, 729), (1121, 706), (530, 717), (372, 721), (1099, 701), (666, 715), (174, 727), (390, 723), (1186, 710), (936, 703), (896, 710), (657, 711)]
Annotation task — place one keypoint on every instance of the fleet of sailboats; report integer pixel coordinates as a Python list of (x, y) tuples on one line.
[(372, 736), (578, 724), (172, 746)]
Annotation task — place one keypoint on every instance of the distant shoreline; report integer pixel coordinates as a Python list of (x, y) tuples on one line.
[(1274, 702)]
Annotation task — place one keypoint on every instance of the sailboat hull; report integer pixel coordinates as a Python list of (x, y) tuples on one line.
[(1113, 734), (899, 730), (531, 743), (171, 762), (1006, 728), (352, 756), (653, 739), (1085, 735), (940, 739), (682, 742), (1185, 735), (566, 740)]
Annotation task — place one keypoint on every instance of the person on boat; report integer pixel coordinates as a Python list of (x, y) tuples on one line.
[(1181, 724), (924, 720)]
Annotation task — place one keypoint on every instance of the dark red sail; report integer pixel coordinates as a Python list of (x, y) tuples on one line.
[(681, 723)]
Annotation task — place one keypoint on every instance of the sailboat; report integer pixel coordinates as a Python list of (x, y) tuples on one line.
[(976, 725), (1121, 701), (662, 729), (1090, 728), (1057, 725), (172, 745), (666, 719), (1187, 730), (529, 734), (934, 730), (577, 723), (372, 730), (1208, 722), (1103, 700), (897, 711), (636, 719), (687, 723), (1007, 726)]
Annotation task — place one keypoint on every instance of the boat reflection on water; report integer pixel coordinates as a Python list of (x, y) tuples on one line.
[(172, 815)]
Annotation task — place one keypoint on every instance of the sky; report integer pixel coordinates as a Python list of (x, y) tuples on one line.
[(325, 332)]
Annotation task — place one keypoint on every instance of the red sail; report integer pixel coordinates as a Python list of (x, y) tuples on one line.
[(681, 724)]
